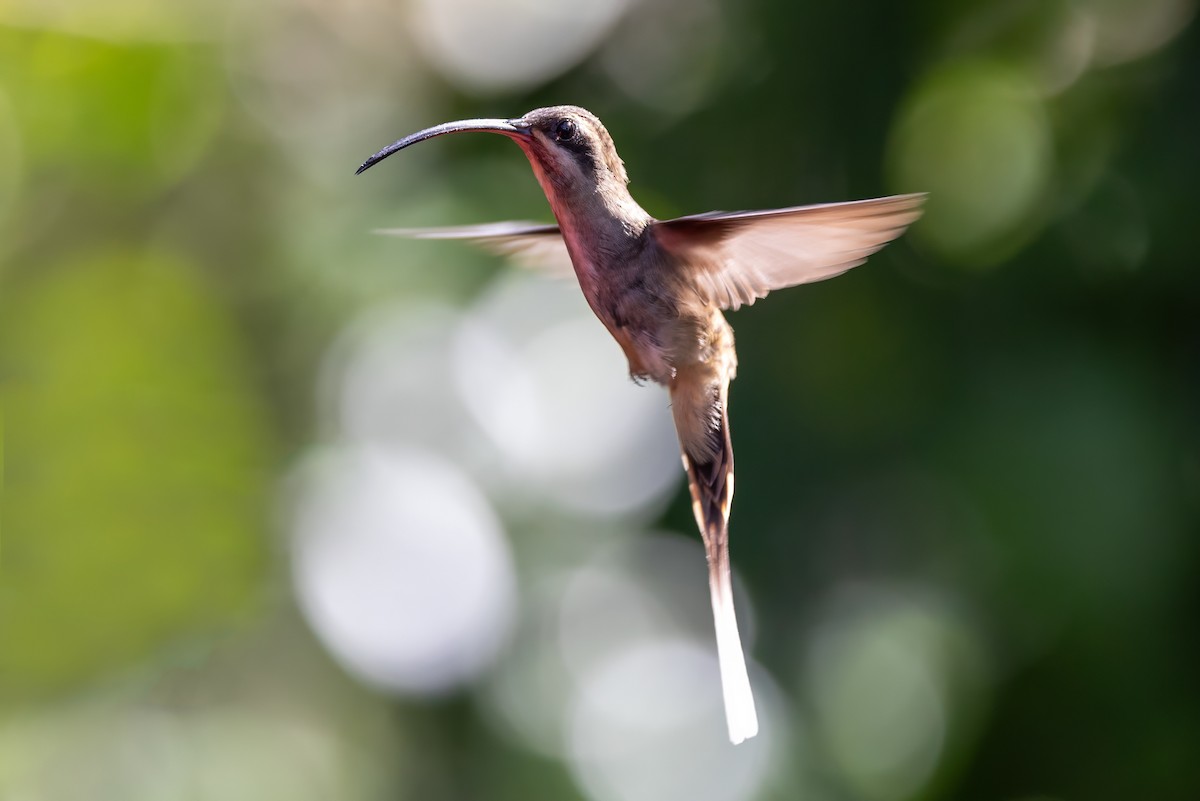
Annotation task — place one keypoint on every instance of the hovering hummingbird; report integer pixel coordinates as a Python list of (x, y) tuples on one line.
[(659, 287)]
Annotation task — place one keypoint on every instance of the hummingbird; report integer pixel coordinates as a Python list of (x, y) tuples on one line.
[(660, 287)]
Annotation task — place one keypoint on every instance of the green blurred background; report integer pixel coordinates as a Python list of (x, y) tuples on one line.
[(293, 511)]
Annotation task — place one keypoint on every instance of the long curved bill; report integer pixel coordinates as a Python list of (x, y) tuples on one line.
[(513, 129)]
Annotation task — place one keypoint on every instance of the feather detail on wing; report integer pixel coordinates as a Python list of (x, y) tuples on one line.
[(738, 257), (528, 244)]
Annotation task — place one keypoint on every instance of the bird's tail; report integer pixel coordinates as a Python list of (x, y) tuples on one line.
[(708, 460)]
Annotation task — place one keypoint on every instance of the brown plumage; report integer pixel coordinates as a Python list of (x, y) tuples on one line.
[(659, 287)]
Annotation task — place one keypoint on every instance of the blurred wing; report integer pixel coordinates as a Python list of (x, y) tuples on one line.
[(529, 244), (739, 257)]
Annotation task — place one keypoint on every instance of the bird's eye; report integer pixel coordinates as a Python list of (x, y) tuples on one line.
[(564, 130)]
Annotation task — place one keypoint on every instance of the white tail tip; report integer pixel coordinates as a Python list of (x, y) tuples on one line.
[(740, 713)]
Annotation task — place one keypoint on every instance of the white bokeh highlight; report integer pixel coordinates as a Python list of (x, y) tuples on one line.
[(604, 611), (553, 395), (388, 381), (401, 568), (648, 725), (494, 45)]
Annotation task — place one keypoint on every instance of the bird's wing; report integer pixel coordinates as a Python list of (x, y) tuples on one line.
[(736, 258), (529, 244)]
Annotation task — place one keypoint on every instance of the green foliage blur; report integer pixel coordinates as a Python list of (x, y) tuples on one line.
[(1001, 409)]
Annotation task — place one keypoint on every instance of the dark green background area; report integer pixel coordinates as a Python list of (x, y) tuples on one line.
[(1004, 404)]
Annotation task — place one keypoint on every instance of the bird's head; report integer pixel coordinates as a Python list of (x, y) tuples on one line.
[(572, 154), (571, 147)]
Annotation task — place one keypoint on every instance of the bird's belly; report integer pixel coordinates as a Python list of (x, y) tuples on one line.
[(633, 318), (639, 334)]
